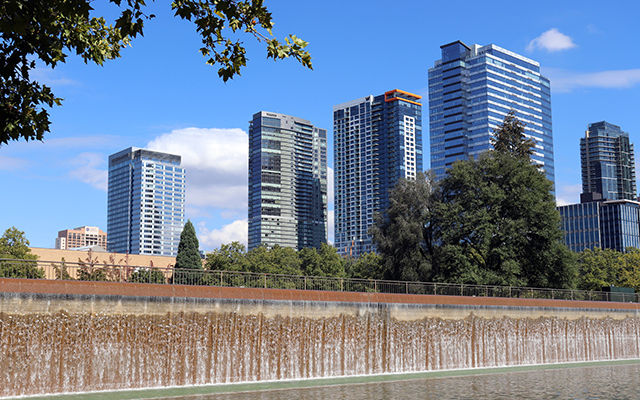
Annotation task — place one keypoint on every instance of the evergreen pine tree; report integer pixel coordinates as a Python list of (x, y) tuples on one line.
[(188, 257), (509, 138)]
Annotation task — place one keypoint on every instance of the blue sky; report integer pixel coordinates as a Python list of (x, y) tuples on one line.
[(161, 95)]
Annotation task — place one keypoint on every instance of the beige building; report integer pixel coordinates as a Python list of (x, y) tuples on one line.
[(82, 236), (48, 258)]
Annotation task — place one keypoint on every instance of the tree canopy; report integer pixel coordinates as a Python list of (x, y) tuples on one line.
[(402, 234), (14, 245), (599, 268), (46, 31), (496, 221), (490, 220)]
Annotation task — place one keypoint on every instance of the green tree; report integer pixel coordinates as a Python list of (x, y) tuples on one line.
[(320, 263), (276, 260), (402, 235), (46, 31), (496, 223), (324, 261), (229, 257), (630, 273), (188, 259), (367, 266), (509, 138), (598, 268), (15, 246)]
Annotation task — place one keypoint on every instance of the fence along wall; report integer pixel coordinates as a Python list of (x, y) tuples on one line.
[(102, 336)]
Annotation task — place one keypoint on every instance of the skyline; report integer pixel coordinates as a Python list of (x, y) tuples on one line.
[(61, 183)]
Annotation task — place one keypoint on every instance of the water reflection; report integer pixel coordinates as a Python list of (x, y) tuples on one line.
[(601, 382)]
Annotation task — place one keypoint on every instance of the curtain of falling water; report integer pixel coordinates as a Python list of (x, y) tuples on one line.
[(48, 353)]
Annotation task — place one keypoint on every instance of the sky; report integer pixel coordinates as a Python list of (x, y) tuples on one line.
[(161, 95)]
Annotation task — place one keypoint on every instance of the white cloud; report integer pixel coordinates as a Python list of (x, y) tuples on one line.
[(566, 81), (12, 163), (551, 40), (235, 231), (216, 161), (88, 170), (568, 194)]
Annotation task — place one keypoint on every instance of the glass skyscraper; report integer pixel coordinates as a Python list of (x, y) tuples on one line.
[(608, 164), (377, 141), (145, 202), (471, 90), (613, 224), (287, 182)]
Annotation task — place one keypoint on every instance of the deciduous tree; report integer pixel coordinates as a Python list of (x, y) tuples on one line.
[(367, 266), (46, 31), (229, 257), (14, 245), (324, 261), (402, 234), (496, 221)]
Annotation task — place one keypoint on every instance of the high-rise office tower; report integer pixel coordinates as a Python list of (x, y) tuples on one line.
[(287, 182), (377, 141), (145, 202), (610, 224), (608, 165), (471, 90)]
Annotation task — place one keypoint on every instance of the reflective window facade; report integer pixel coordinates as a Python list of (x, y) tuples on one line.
[(287, 182), (377, 141), (608, 164), (611, 224), (145, 206), (471, 90)]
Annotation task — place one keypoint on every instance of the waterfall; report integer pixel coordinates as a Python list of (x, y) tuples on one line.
[(70, 352)]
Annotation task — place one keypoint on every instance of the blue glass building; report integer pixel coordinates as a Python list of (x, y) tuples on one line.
[(608, 163), (471, 90), (287, 182), (145, 206), (613, 224), (377, 141)]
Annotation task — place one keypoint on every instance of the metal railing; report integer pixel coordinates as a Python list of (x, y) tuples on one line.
[(85, 271)]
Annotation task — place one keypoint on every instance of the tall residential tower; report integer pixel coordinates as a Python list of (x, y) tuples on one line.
[(608, 165), (287, 182), (607, 216), (471, 90), (145, 202), (377, 141)]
